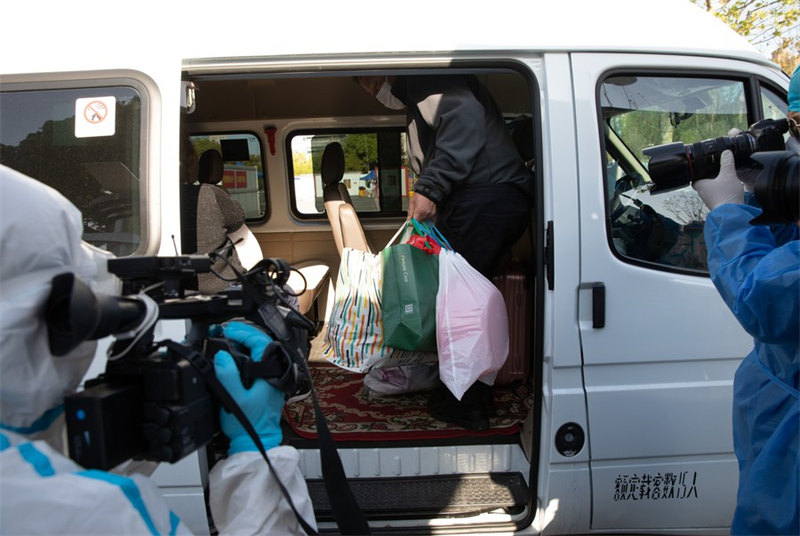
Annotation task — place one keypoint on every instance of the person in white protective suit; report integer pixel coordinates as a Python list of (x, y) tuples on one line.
[(44, 492), (756, 269)]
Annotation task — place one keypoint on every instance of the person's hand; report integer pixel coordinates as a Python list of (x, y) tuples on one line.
[(421, 208), (725, 188), (747, 174), (262, 403)]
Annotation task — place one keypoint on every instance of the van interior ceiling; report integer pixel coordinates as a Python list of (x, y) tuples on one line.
[(275, 108)]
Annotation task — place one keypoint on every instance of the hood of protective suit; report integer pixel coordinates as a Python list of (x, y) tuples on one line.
[(40, 237)]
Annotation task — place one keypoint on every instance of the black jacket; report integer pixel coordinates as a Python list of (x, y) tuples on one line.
[(457, 136)]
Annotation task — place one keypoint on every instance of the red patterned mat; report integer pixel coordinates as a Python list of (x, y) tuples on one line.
[(354, 413)]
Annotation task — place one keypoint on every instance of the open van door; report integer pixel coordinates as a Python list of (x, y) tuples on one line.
[(659, 346)]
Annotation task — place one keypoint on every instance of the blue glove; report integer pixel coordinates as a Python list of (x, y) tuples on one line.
[(262, 403)]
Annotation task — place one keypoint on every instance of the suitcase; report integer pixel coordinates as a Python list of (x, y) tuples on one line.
[(517, 292)]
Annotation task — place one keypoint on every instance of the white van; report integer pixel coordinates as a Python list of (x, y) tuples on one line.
[(626, 402)]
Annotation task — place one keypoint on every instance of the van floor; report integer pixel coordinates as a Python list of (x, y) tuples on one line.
[(356, 415), (363, 423)]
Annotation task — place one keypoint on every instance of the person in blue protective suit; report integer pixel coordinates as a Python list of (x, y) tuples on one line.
[(756, 269), (44, 492), (794, 96)]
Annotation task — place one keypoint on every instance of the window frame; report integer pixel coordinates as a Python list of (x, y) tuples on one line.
[(332, 131), (751, 84), (149, 98), (264, 179)]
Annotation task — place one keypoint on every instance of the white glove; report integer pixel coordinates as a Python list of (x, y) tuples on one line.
[(747, 174), (725, 188)]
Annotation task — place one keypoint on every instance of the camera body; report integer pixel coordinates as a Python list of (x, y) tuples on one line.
[(155, 399), (156, 408), (674, 165)]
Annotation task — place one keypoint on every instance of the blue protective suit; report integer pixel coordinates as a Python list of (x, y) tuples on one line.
[(756, 269)]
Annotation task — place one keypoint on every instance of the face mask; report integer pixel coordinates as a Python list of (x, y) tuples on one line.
[(386, 97)]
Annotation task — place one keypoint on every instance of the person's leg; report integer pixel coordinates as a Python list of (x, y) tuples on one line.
[(481, 223), (471, 412)]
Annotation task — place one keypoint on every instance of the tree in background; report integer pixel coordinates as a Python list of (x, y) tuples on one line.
[(772, 26)]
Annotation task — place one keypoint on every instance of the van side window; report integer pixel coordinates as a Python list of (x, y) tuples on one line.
[(665, 228), (243, 169), (774, 106), (377, 173), (85, 142)]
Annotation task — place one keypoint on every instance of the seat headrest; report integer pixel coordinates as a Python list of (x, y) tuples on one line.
[(332, 164), (210, 167)]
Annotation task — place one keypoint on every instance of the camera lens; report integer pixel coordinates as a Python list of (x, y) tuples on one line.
[(777, 187), (674, 165), (669, 166), (705, 156), (75, 314)]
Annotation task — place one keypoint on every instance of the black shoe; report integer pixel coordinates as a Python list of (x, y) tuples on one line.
[(480, 393), (466, 414)]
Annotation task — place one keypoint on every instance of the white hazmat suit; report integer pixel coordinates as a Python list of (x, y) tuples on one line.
[(41, 490)]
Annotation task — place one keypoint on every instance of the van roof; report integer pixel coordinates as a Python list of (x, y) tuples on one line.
[(88, 35)]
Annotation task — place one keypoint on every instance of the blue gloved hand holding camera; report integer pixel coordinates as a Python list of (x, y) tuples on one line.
[(261, 403)]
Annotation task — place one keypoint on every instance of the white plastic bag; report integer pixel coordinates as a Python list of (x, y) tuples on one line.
[(247, 248), (471, 325)]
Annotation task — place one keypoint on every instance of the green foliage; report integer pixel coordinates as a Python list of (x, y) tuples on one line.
[(203, 144), (723, 108), (360, 152), (772, 26), (301, 163)]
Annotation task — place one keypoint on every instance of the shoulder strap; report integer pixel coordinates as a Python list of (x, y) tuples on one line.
[(346, 511), (206, 369)]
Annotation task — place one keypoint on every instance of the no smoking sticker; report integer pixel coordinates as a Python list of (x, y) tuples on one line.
[(95, 116)]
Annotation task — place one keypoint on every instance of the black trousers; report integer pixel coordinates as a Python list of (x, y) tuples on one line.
[(483, 222)]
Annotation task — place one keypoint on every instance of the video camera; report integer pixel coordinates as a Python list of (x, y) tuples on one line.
[(155, 401), (777, 186)]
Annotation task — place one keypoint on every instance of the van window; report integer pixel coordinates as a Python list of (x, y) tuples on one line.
[(774, 106), (376, 171), (243, 169), (643, 111), (85, 142)]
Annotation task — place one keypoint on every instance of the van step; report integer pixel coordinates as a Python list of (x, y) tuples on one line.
[(414, 497)]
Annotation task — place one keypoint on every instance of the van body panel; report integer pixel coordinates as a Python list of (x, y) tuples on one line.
[(651, 407), (650, 389), (188, 30)]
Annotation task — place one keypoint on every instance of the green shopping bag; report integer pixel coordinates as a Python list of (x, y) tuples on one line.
[(408, 306)]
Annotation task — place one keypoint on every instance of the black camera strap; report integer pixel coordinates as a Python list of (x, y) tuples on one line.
[(346, 510), (206, 369)]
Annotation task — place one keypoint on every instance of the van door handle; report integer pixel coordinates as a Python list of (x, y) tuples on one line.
[(598, 305)]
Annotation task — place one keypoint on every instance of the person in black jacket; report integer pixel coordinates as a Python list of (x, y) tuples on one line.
[(472, 183)]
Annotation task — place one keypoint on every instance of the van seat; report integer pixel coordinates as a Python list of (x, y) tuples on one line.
[(352, 233), (316, 276), (345, 225)]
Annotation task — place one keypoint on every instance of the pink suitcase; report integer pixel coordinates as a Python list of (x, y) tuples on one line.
[(517, 292)]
